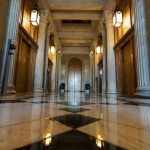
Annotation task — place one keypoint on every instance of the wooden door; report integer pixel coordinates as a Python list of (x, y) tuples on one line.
[(74, 75), (129, 69), (22, 67)]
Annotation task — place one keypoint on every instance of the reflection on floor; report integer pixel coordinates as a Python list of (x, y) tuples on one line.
[(71, 140), (74, 121), (74, 109)]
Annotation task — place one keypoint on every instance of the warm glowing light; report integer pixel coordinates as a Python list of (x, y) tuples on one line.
[(117, 19), (25, 22), (127, 22), (35, 17), (98, 50), (52, 50), (99, 141), (48, 139), (101, 72)]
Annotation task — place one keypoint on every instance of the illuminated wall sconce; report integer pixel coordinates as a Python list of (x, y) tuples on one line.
[(117, 19), (101, 72), (52, 50), (98, 50), (35, 17)]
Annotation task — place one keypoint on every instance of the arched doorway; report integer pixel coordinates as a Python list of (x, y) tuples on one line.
[(74, 75)]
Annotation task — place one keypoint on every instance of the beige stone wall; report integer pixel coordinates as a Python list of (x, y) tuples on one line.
[(84, 58)]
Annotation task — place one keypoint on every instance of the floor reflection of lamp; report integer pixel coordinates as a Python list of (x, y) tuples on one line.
[(99, 141), (48, 139)]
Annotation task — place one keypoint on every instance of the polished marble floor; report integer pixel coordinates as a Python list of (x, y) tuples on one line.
[(74, 121)]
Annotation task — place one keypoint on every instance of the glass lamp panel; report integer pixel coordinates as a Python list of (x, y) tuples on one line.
[(52, 49), (35, 17), (119, 17), (98, 50), (117, 20)]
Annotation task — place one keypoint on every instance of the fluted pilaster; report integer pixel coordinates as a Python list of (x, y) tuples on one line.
[(104, 77), (142, 48), (59, 58), (111, 71), (40, 62), (48, 30), (12, 30)]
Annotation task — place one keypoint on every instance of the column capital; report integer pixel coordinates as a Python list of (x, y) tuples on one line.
[(108, 17), (49, 28), (44, 16), (101, 28)]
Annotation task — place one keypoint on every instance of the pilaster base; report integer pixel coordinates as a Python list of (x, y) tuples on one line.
[(10, 90), (36, 90), (104, 93), (143, 91), (111, 93), (111, 97)]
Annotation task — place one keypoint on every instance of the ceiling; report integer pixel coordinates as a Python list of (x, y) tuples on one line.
[(76, 21)]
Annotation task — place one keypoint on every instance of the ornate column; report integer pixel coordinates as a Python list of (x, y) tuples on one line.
[(111, 70), (11, 34), (142, 47), (59, 68), (91, 69), (48, 30), (104, 75), (96, 72), (39, 66), (54, 71)]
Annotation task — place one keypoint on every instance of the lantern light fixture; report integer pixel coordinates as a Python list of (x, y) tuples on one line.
[(98, 50), (117, 19), (52, 50), (35, 17)]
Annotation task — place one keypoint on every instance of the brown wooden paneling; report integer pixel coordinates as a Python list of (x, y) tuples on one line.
[(31, 66), (125, 64), (25, 62), (22, 67), (74, 75), (129, 70), (119, 69), (24, 18), (127, 9)]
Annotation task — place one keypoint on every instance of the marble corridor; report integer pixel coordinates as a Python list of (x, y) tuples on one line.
[(74, 121)]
